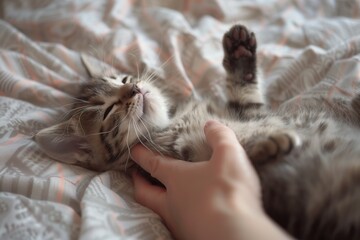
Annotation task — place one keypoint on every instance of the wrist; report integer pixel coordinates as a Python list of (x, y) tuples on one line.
[(251, 219), (234, 221)]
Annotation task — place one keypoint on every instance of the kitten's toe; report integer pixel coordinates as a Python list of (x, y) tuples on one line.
[(273, 146)]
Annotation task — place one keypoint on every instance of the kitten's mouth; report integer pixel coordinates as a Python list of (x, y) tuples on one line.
[(142, 102)]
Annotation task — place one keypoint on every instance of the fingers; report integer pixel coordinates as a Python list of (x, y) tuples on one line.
[(149, 195), (159, 167)]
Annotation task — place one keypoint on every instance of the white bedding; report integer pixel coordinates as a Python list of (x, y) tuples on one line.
[(305, 47)]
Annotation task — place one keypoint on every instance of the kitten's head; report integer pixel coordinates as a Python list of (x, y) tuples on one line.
[(110, 115)]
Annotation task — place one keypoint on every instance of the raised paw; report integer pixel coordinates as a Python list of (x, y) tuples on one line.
[(240, 52), (272, 147)]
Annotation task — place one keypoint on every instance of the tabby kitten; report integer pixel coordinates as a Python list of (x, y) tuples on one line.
[(307, 155)]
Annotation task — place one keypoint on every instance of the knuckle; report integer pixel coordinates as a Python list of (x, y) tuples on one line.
[(226, 145), (223, 133), (154, 166)]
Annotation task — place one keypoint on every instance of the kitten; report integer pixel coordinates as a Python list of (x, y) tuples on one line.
[(307, 155)]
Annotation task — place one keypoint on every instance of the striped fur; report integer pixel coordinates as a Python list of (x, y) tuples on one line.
[(307, 156)]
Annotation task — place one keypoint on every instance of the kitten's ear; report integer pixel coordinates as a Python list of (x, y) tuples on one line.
[(96, 68), (62, 143)]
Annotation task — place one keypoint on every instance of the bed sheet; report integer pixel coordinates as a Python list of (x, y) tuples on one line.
[(305, 47)]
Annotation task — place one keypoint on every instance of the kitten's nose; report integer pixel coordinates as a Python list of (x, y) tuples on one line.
[(134, 90), (129, 90)]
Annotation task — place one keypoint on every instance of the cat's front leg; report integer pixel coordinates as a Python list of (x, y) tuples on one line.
[(240, 64)]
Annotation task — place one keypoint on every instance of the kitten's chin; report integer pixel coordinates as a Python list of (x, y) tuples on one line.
[(155, 111), (153, 106)]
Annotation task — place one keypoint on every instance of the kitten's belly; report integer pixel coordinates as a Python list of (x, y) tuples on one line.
[(185, 138)]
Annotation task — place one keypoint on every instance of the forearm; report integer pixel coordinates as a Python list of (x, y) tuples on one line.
[(238, 224), (258, 226)]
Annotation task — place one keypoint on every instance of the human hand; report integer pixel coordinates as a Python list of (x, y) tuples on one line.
[(217, 199)]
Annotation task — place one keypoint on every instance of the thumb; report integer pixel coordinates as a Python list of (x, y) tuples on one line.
[(227, 149), (149, 195), (217, 133), (222, 140)]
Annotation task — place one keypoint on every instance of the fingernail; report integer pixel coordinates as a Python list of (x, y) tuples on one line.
[(212, 123)]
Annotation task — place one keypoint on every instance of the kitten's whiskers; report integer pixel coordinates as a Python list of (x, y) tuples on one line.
[(73, 112), (128, 147), (138, 137), (150, 141)]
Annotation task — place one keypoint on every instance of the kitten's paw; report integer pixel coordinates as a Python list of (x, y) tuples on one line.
[(273, 146), (240, 51)]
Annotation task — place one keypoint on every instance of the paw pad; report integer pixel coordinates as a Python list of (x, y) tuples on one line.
[(240, 52), (239, 42)]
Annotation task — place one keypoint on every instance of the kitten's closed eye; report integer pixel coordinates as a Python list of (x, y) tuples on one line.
[(124, 80), (97, 103), (108, 110)]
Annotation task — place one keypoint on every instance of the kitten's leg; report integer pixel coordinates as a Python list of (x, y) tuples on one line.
[(245, 99), (240, 64)]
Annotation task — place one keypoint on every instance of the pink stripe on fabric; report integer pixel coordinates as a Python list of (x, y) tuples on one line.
[(334, 87), (28, 68), (12, 140), (61, 186), (67, 59), (124, 48), (272, 64), (125, 8), (8, 63), (201, 71)]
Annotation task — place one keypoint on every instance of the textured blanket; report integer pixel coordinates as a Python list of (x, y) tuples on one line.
[(306, 47)]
